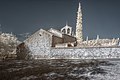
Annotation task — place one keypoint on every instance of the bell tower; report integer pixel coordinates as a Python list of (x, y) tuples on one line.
[(79, 34)]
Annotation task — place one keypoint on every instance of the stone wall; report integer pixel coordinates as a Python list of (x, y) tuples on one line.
[(68, 38), (80, 53), (85, 53), (39, 43), (56, 40)]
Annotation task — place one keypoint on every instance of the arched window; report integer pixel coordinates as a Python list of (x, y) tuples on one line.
[(63, 31), (68, 31)]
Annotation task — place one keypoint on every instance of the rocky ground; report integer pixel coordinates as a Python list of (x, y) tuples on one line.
[(60, 70)]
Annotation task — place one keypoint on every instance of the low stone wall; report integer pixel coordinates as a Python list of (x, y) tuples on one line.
[(85, 53), (80, 53)]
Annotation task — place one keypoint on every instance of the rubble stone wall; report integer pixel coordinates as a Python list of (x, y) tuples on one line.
[(80, 53), (85, 53), (39, 43)]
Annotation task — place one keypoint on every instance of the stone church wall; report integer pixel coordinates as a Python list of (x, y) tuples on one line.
[(56, 40), (68, 38), (39, 43)]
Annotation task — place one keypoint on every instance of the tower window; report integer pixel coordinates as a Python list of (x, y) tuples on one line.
[(68, 31), (63, 31), (40, 35)]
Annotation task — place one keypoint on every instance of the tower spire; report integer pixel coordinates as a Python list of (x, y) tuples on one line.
[(79, 8), (79, 25)]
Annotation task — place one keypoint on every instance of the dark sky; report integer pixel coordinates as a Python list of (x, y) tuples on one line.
[(100, 17)]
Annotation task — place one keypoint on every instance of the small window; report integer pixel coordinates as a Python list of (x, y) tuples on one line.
[(40, 34), (63, 31), (68, 31)]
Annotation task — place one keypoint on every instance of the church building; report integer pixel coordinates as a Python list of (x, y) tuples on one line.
[(44, 43)]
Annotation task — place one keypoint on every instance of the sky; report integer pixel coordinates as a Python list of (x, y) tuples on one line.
[(100, 17)]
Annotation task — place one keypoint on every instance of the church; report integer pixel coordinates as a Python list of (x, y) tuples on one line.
[(65, 44)]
